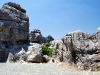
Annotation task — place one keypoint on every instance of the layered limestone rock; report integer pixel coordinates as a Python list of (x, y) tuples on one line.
[(14, 23), (84, 50), (49, 38), (78, 48), (35, 35), (59, 51), (25, 53), (34, 53)]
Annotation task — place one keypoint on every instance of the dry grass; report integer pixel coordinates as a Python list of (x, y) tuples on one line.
[(63, 66)]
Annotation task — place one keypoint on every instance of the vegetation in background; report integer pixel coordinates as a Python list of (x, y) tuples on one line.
[(46, 50)]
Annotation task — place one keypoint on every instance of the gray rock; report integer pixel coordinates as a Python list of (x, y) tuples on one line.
[(3, 52), (17, 6), (35, 53), (17, 51), (25, 52), (59, 51), (11, 58), (35, 35), (46, 58), (83, 49), (14, 23), (49, 38)]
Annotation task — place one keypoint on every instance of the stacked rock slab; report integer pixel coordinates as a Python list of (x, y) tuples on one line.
[(35, 36), (14, 27), (14, 23), (83, 49)]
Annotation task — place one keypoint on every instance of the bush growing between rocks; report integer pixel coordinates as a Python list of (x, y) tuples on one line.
[(46, 50)]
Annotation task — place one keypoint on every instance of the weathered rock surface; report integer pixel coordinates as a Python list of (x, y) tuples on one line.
[(49, 38), (35, 36), (35, 53), (3, 52), (84, 49), (59, 51), (46, 58), (25, 52), (14, 23), (78, 48)]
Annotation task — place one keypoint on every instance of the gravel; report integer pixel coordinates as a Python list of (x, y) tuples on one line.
[(40, 69)]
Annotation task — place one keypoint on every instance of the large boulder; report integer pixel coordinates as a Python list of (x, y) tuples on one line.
[(48, 39), (14, 23), (17, 52), (59, 51), (34, 53), (84, 51), (35, 36), (25, 52)]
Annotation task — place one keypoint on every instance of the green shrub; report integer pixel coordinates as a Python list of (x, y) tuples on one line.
[(46, 50)]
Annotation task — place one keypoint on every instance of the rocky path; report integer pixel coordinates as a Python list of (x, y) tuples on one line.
[(40, 69)]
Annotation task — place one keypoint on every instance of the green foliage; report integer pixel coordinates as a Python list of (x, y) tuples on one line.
[(46, 50)]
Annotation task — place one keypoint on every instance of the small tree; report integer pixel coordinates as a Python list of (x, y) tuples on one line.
[(46, 50)]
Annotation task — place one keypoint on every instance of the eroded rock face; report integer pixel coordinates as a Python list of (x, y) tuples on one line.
[(59, 51), (35, 53), (49, 38), (14, 23), (83, 48), (25, 52), (35, 36)]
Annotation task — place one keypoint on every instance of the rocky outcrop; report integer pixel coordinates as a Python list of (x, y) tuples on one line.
[(84, 49), (77, 48), (49, 38), (3, 52), (35, 36), (25, 52), (34, 53), (59, 51), (14, 40), (14, 32), (14, 23)]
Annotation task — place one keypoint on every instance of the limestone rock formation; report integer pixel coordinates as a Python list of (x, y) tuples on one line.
[(34, 53), (46, 58), (78, 48), (3, 52), (84, 51), (25, 52), (49, 38), (14, 23), (35, 35), (59, 51)]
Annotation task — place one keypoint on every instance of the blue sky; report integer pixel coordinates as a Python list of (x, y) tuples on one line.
[(59, 17)]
